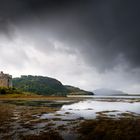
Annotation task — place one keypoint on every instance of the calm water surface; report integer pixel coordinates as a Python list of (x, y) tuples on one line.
[(90, 108)]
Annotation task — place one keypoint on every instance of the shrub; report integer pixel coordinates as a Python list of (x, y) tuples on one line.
[(4, 90)]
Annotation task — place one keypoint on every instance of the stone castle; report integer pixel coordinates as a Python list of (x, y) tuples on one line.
[(5, 80)]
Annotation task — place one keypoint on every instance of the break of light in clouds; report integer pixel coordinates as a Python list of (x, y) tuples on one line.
[(90, 44)]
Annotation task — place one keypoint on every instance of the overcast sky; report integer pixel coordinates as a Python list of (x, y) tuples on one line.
[(86, 43)]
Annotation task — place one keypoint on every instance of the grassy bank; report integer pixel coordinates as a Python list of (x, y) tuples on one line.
[(108, 129), (25, 96)]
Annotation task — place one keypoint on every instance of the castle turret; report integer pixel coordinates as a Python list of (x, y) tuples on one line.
[(5, 80)]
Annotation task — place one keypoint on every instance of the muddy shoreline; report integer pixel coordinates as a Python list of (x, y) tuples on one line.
[(21, 119)]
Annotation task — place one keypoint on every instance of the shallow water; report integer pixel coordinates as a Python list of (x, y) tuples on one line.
[(101, 96), (91, 108), (35, 116)]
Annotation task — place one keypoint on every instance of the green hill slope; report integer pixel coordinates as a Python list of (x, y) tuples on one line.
[(77, 91), (46, 86), (40, 85)]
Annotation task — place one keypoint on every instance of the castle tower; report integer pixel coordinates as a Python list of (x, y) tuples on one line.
[(5, 80)]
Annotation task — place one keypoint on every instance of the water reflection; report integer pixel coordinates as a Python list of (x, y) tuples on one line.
[(90, 108)]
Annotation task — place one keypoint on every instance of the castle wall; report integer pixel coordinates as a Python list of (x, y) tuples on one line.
[(5, 80)]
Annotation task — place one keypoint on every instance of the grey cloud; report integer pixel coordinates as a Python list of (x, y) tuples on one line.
[(100, 30), (105, 34)]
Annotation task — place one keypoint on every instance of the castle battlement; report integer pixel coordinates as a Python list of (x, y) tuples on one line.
[(5, 80)]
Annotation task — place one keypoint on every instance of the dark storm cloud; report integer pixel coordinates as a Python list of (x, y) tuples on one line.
[(106, 32)]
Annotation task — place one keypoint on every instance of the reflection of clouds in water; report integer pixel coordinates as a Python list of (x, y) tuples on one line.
[(88, 109), (104, 106)]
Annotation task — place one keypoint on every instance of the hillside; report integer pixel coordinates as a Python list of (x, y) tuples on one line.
[(46, 86), (109, 92), (77, 91), (40, 85)]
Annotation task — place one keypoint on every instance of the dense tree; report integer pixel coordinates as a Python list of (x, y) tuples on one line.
[(45, 86), (40, 85)]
